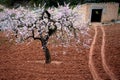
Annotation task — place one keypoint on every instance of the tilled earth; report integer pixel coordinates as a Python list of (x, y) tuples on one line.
[(25, 61), (112, 48)]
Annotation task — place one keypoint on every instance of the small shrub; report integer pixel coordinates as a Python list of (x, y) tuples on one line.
[(1, 10)]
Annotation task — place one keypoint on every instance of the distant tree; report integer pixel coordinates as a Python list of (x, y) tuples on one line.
[(50, 3), (98, 1)]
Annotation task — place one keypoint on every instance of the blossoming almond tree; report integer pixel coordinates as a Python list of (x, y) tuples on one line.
[(41, 24)]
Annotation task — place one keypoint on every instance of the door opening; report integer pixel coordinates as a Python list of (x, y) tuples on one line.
[(96, 15)]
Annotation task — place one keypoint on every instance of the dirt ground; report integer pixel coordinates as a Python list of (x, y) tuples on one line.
[(25, 61)]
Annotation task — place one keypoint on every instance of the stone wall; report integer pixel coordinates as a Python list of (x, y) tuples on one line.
[(119, 17), (109, 11)]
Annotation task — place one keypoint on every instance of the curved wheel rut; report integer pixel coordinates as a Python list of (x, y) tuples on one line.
[(91, 64), (105, 66)]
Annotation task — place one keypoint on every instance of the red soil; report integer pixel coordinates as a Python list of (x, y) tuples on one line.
[(105, 64), (112, 49), (97, 56), (26, 61)]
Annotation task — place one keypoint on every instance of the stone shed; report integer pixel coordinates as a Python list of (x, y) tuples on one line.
[(100, 12)]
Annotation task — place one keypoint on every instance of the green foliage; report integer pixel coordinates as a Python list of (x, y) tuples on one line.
[(6, 2), (119, 11), (1, 10), (50, 3), (37, 2)]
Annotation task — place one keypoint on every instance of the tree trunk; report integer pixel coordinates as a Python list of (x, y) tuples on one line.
[(45, 49), (47, 54)]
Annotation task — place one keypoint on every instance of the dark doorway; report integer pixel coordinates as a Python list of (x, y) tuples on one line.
[(96, 15)]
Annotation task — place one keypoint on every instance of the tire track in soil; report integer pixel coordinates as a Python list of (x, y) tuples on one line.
[(91, 64), (97, 59), (105, 66)]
